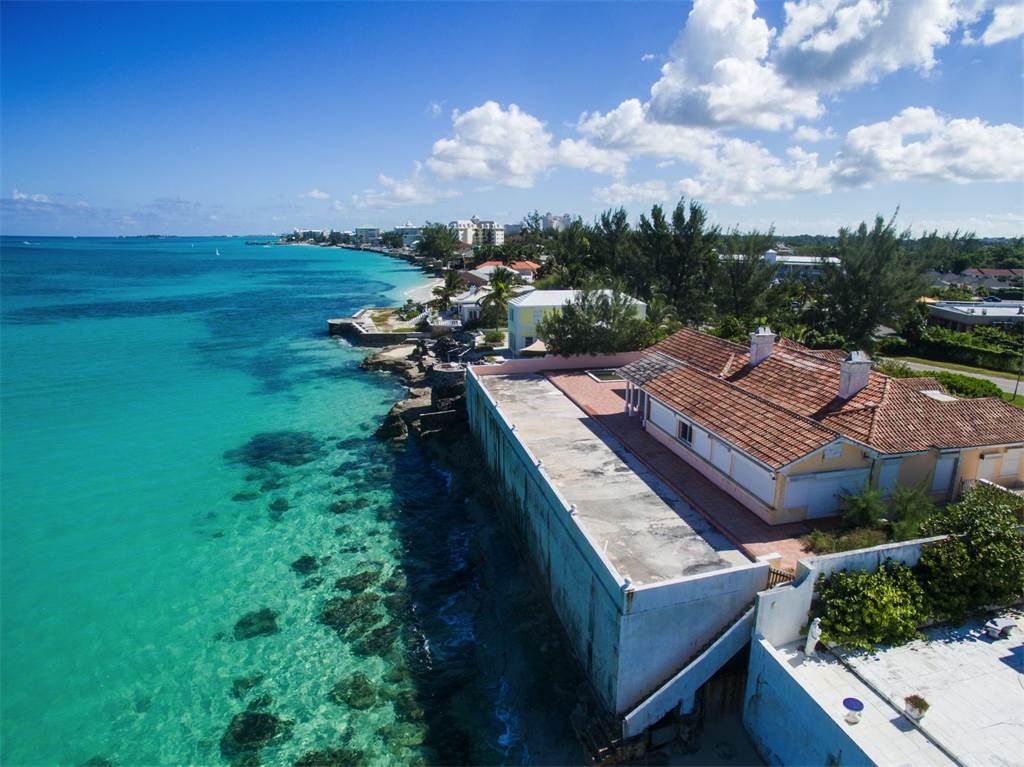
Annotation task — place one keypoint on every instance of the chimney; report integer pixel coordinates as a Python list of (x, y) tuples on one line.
[(761, 344), (853, 374)]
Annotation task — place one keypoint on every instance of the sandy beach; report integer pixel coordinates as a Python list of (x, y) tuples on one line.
[(423, 293)]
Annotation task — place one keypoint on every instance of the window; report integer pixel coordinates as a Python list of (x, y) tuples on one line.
[(684, 432)]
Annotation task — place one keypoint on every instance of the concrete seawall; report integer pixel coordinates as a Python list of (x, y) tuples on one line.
[(630, 638)]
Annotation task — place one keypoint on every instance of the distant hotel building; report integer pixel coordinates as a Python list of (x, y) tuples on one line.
[(553, 223), (366, 235), (477, 232)]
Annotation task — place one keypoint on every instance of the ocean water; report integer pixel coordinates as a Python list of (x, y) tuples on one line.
[(183, 446)]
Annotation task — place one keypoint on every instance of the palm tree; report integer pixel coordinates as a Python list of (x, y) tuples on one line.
[(452, 286), (495, 303)]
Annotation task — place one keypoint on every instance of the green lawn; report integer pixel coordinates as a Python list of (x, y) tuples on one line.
[(954, 366)]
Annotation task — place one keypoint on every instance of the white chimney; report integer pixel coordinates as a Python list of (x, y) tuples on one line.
[(853, 374), (761, 344)]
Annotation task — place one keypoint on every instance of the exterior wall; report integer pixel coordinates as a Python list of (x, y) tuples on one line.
[(665, 626), (850, 457), (785, 722), (629, 640), (1002, 465), (584, 590), (917, 469), (719, 480)]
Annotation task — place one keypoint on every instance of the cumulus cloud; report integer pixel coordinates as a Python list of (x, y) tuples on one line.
[(836, 44), (582, 154), (643, 193), (1007, 23), (812, 135), (316, 194), (394, 193), (719, 73), (919, 144), (508, 146)]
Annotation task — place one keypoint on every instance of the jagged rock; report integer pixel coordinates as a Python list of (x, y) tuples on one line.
[(288, 448), (397, 604), (357, 582), (402, 734), (407, 706), (340, 612), (241, 685), (257, 623), (333, 757), (397, 581), (305, 564), (392, 428), (257, 703), (356, 691), (344, 505), (377, 642), (249, 731)]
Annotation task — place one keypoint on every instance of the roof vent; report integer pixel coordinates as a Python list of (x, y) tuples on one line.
[(853, 374), (761, 344)]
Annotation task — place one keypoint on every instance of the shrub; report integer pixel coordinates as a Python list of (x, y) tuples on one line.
[(821, 542), (494, 336), (864, 510), (967, 386), (909, 507), (982, 562), (861, 609)]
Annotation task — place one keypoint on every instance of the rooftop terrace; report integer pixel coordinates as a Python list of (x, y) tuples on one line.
[(973, 683), (647, 531)]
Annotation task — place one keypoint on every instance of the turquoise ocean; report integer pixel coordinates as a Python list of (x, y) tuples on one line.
[(182, 446)]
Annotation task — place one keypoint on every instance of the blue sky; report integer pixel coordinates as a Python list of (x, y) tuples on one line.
[(231, 118)]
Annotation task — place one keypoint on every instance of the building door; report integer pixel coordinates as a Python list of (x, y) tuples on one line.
[(889, 476), (945, 467)]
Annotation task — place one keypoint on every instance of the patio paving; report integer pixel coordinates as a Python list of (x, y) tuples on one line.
[(605, 401)]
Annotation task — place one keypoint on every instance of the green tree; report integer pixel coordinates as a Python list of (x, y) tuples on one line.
[(875, 282), (437, 242), (495, 303), (391, 239), (596, 322), (745, 280), (861, 609), (448, 289), (982, 561)]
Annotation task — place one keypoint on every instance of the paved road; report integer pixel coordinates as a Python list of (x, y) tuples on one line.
[(1006, 384)]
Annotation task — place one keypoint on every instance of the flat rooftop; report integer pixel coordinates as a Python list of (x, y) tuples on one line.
[(974, 685), (646, 530)]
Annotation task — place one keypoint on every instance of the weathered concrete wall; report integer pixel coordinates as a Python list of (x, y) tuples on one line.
[(787, 726), (551, 362), (666, 625), (630, 640), (584, 588)]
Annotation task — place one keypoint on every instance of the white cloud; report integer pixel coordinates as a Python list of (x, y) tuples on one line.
[(575, 153), (315, 194), (434, 109), (489, 142), (812, 135), (835, 44), (719, 73), (16, 195), (919, 144), (337, 205), (646, 192), (648, 57), (629, 129), (396, 193), (1007, 23)]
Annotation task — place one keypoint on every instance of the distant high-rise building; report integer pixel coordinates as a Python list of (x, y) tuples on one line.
[(476, 232)]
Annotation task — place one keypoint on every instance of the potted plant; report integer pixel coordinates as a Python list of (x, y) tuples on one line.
[(916, 706)]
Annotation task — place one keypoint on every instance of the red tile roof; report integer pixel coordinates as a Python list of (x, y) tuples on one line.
[(790, 401)]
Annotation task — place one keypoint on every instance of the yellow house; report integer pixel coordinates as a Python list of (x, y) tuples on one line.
[(789, 430), (526, 311)]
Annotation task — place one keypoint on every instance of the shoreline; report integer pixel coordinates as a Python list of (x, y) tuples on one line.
[(423, 293)]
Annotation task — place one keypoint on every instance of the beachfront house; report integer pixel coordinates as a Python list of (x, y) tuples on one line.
[(526, 311), (788, 430)]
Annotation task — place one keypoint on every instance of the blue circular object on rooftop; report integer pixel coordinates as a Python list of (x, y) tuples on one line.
[(853, 704)]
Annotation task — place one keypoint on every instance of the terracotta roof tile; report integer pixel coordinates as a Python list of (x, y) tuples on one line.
[(765, 431), (890, 415)]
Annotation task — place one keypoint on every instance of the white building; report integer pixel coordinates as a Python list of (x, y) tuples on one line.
[(366, 235), (553, 223), (473, 231), (527, 310)]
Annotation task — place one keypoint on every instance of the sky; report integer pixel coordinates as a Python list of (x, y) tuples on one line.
[(236, 118)]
